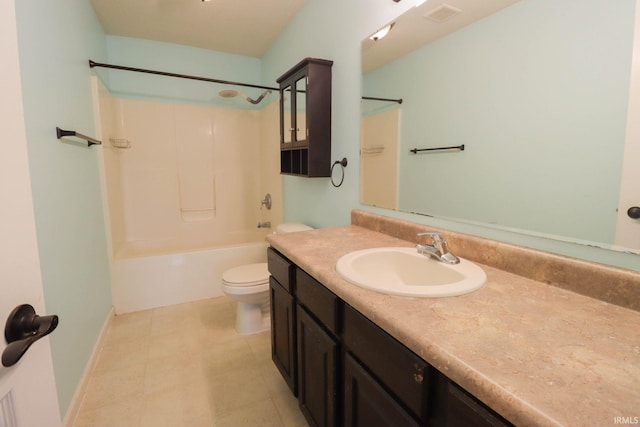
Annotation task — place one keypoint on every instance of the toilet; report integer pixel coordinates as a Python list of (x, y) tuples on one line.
[(249, 286)]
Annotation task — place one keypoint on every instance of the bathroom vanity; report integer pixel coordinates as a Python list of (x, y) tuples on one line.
[(347, 371), (517, 351)]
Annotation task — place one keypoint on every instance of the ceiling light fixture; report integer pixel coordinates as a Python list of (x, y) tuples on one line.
[(381, 32)]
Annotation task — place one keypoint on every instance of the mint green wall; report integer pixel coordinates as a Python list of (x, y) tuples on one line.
[(55, 38), (333, 29), (179, 59), (532, 117)]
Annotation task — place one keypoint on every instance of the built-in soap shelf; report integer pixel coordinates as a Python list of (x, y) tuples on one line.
[(377, 149), (120, 143)]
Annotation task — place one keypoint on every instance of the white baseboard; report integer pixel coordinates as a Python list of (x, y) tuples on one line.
[(74, 407)]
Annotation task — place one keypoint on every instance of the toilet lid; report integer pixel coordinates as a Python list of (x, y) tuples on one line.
[(247, 275), (291, 227)]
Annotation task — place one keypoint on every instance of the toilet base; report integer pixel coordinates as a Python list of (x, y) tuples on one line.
[(253, 318)]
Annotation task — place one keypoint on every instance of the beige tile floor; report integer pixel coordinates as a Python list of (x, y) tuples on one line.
[(185, 365)]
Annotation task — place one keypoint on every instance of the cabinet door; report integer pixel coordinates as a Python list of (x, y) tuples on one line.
[(283, 337), (293, 111), (367, 403), (317, 358)]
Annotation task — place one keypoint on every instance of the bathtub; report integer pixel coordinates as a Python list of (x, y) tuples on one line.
[(147, 277)]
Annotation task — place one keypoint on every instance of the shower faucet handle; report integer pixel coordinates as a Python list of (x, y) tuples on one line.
[(266, 202)]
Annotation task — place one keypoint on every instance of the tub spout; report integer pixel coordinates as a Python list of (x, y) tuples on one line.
[(266, 224)]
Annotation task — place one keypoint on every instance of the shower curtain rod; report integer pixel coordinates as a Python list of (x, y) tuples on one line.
[(93, 64)]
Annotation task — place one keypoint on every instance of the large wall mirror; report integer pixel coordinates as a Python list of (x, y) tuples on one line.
[(537, 92)]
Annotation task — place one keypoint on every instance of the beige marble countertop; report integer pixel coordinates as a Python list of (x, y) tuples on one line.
[(537, 354)]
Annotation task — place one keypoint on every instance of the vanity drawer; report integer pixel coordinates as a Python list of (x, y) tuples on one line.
[(280, 268), (406, 375), (320, 301), (462, 409)]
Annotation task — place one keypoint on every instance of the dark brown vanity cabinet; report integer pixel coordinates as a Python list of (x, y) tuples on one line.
[(457, 408), (305, 119), (347, 371), (382, 374), (283, 318), (318, 355), (319, 351), (367, 403)]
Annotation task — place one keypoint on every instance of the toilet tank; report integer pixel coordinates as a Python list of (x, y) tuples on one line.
[(291, 227)]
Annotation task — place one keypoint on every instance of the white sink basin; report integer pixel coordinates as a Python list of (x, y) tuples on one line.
[(403, 271)]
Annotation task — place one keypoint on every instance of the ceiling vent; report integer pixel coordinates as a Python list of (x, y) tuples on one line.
[(442, 13)]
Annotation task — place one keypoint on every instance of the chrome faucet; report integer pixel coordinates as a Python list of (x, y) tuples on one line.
[(439, 248)]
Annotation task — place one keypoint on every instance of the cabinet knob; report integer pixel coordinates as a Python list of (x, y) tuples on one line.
[(634, 212)]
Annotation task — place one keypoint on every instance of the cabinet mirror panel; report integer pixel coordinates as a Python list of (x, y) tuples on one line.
[(301, 102), (537, 91), (287, 118)]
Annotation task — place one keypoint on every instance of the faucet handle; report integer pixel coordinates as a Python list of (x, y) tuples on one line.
[(440, 245), (436, 236), (266, 202)]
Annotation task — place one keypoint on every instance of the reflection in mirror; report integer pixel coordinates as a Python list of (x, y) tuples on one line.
[(538, 92), (380, 140)]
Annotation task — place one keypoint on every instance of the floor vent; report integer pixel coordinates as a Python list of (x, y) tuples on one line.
[(442, 13)]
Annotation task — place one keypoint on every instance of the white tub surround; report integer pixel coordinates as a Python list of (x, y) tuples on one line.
[(183, 195)]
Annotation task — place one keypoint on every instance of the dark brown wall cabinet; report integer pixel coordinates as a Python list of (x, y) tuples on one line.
[(305, 119), (349, 372)]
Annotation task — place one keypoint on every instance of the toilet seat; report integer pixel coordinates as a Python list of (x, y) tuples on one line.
[(248, 286), (246, 276)]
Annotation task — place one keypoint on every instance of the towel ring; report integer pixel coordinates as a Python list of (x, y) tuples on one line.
[(343, 164)]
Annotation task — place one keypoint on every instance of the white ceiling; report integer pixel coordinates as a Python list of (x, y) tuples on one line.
[(249, 27), (243, 27), (412, 30)]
